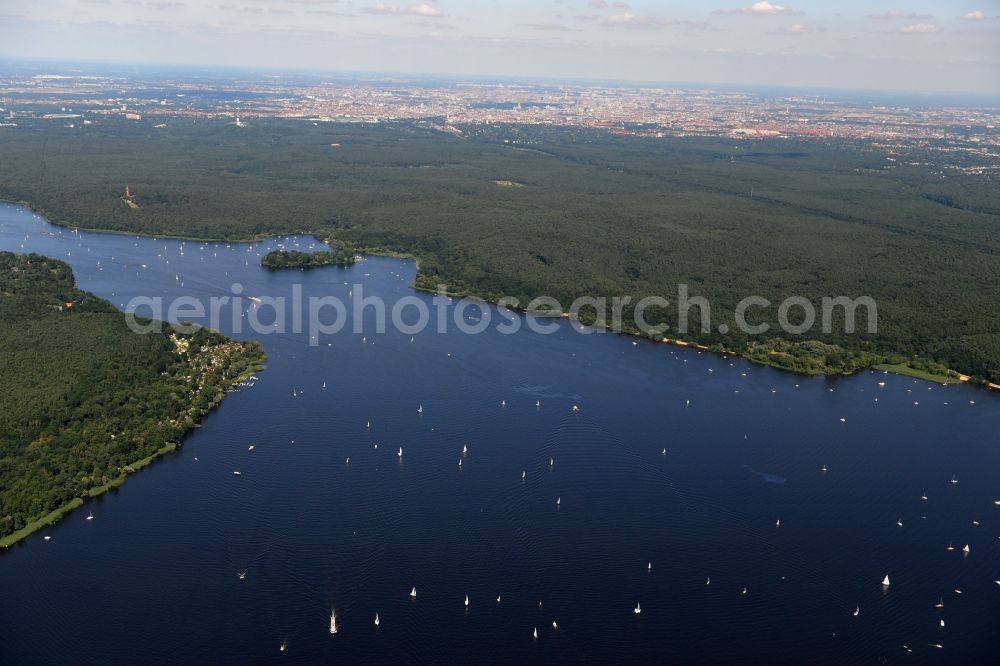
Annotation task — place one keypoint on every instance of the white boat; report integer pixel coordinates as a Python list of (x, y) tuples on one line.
[(498, 596), (243, 574), (420, 409), (377, 621), (413, 593), (954, 479), (558, 501), (90, 516), (524, 474), (466, 601), (400, 453), (649, 566), (638, 609), (857, 611), (465, 449), (250, 448), (237, 473), (966, 549), (333, 622), (283, 646), (534, 634), (899, 522), (885, 581)]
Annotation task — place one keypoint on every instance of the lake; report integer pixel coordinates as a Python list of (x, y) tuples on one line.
[(692, 534)]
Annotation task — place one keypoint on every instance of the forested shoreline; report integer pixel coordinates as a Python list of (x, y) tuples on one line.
[(86, 400), (593, 214)]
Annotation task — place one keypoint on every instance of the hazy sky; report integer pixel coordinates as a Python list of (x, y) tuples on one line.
[(906, 45)]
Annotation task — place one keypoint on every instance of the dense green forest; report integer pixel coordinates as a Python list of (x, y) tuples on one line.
[(84, 398), (295, 259), (525, 211)]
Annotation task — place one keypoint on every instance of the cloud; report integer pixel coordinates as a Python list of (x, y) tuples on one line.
[(164, 5), (598, 4), (975, 15), (552, 27), (422, 9), (635, 21), (897, 14), (796, 29), (920, 29), (632, 21), (762, 8)]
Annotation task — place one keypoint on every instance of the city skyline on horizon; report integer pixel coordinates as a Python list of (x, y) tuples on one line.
[(875, 46)]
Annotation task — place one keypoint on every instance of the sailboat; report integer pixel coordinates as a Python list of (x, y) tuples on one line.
[(857, 611), (638, 609), (413, 593), (243, 574), (534, 634), (558, 501), (377, 621), (420, 409), (465, 449), (885, 581), (966, 549), (954, 479), (524, 474), (283, 646), (400, 454), (333, 622), (90, 516), (649, 566), (466, 601), (950, 546)]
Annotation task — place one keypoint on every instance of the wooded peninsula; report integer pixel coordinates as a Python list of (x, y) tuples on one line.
[(86, 400)]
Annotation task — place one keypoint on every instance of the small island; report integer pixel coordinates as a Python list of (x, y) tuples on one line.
[(278, 259)]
